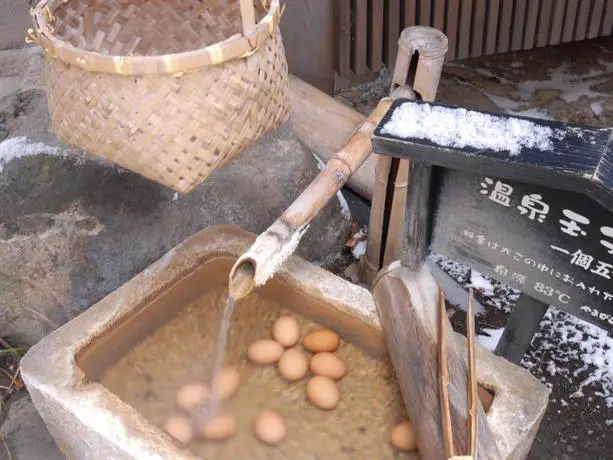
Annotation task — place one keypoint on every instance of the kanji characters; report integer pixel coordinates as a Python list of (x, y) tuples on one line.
[(501, 193), (603, 269), (534, 206), (580, 259), (519, 278), (562, 250), (607, 231), (501, 270), (571, 227)]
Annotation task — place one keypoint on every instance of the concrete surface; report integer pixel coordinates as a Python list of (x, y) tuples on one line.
[(26, 435), (14, 21), (88, 421)]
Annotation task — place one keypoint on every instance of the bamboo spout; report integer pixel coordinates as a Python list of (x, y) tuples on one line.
[(275, 245)]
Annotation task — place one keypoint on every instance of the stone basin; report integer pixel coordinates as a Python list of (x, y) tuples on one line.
[(104, 381)]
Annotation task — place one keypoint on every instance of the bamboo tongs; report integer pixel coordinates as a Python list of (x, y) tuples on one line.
[(444, 382)]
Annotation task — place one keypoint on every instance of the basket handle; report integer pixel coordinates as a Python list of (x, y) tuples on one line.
[(247, 16)]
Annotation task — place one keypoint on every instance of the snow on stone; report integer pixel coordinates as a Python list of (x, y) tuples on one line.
[(477, 281), (532, 113), (571, 87), (597, 108), (458, 127), (492, 338), (19, 147), (359, 249), (576, 350)]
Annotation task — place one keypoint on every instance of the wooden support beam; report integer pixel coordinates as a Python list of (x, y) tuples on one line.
[(324, 124)]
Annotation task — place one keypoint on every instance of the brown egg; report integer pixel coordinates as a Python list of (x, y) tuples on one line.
[(323, 392), (192, 395), (264, 351), (402, 437), (486, 398), (286, 331), (229, 378), (293, 365), (220, 428), (321, 340), (328, 365), (269, 427), (180, 428)]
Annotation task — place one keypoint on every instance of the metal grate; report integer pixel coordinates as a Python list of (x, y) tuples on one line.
[(369, 29)]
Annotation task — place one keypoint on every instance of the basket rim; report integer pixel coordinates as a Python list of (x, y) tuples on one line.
[(235, 47)]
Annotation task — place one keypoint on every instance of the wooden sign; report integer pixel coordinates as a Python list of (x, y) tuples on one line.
[(555, 246), (537, 216)]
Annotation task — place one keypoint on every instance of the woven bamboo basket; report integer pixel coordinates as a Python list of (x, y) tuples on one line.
[(169, 89)]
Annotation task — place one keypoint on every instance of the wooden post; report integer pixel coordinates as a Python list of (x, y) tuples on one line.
[(308, 31), (407, 302), (520, 328)]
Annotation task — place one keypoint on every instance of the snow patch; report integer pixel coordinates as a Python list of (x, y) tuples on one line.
[(575, 349), (571, 87), (492, 338), (478, 282), (532, 113), (458, 127), (19, 147), (345, 211), (454, 293), (597, 108), (359, 249)]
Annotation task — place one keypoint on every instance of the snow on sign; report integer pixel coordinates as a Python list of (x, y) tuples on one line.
[(528, 202), (555, 246)]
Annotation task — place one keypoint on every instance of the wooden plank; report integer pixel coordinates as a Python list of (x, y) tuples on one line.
[(453, 14), (519, 20), (557, 21), (504, 31), (544, 23), (361, 34), (392, 21), (410, 13), (570, 20), (344, 37), (532, 16), (439, 14), (478, 28), (464, 35), (410, 319), (583, 19), (491, 27), (425, 13), (375, 55), (607, 21), (596, 18)]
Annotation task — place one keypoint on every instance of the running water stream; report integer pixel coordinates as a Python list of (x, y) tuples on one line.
[(240, 285)]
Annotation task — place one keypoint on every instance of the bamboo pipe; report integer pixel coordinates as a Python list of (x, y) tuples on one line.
[(274, 246), (426, 47)]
